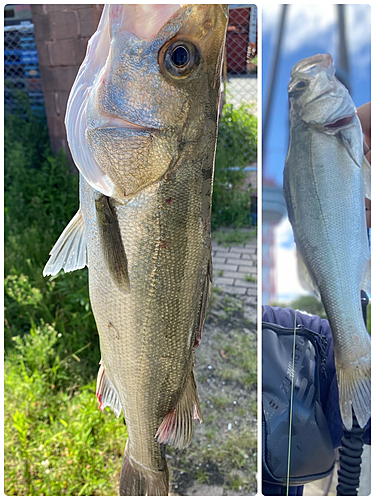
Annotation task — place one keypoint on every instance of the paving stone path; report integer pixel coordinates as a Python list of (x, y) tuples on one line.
[(235, 268)]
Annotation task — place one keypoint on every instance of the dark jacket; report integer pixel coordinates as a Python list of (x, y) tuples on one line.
[(328, 387)]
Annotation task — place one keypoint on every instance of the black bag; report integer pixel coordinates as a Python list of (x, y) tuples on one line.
[(311, 450)]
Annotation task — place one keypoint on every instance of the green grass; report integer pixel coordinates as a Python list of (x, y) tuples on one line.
[(233, 236), (250, 278), (56, 441)]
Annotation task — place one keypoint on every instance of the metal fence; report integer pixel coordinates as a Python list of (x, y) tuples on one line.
[(21, 69), (240, 69)]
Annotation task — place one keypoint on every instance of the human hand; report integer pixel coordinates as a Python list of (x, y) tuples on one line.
[(364, 115)]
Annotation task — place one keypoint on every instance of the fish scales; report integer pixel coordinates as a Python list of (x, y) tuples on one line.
[(142, 125), (324, 191)]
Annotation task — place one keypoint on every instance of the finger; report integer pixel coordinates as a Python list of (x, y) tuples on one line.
[(364, 115)]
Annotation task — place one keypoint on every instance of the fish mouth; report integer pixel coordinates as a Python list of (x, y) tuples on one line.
[(312, 65), (341, 123)]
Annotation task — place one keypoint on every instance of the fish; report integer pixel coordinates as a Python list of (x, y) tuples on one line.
[(326, 180), (142, 121)]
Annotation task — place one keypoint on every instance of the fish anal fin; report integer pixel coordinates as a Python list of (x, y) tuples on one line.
[(204, 302), (305, 278), (177, 427), (70, 250), (106, 393)]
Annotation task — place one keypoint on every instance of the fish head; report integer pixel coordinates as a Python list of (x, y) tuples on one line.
[(317, 98), (152, 85)]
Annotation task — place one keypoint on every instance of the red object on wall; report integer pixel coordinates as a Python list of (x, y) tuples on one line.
[(238, 39)]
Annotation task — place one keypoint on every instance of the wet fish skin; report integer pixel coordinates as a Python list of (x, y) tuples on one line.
[(324, 192), (146, 151)]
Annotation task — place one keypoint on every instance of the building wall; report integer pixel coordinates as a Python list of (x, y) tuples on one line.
[(61, 34)]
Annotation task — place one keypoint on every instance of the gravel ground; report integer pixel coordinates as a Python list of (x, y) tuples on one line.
[(221, 460)]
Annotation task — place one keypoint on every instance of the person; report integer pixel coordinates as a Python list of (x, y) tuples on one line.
[(286, 317)]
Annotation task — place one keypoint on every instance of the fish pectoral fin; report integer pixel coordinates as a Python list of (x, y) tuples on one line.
[(111, 242), (70, 250), (348, 148), (366, 175), (305, 277), (204, 302), (177, 427), (106, 393)]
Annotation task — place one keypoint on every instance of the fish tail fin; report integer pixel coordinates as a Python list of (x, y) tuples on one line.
[(136, 480), (177, 427), (355, 391)]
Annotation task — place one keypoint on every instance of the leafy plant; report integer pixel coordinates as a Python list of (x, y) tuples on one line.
[(236, 149)]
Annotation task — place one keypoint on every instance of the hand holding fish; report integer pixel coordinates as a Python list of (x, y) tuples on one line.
[(364, 115)]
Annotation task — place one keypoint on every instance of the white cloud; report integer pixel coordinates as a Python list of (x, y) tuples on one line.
[(287, 283), (312, 25)]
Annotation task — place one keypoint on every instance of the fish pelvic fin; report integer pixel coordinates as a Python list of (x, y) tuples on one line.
[(177, 427), (70, 250), (305, 277), (355, 392), (106, 393), (136, 480)]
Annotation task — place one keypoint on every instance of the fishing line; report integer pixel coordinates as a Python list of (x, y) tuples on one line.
[(291, 405)]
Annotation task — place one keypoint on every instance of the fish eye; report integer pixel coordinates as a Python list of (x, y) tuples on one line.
[(180, 58), (300, 85)]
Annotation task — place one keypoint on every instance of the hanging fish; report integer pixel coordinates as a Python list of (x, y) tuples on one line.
[(142, 126), (326, 180)]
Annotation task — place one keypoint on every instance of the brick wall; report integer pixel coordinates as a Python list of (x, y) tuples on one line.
[(61, 34)]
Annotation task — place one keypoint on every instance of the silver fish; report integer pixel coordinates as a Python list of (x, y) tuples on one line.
[(142, 126), (325, 187)]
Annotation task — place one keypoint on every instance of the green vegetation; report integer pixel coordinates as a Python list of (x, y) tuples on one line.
[(228, 237), (56, 441), (236, 149), (250, 278)]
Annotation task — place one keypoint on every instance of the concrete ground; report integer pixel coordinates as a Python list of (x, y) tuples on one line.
[(235, 269)]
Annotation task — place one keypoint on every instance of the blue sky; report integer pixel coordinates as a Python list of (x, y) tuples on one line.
[(309, 30)]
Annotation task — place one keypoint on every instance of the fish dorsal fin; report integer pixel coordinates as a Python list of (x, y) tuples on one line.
[(106, 393), (75, 118), (305, 278), (177, 427), (366, 175), (70, 250)]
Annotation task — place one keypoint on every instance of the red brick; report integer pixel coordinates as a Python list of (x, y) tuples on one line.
[(56, 125), (55, 103), (67, 52), (88, 21), (58, 79)]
